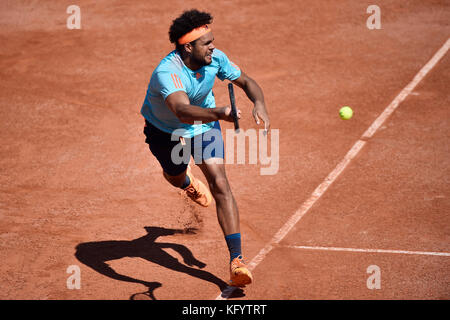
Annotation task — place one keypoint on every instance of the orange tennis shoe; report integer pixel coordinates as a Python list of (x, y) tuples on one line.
[(240, 276), (197, 191)]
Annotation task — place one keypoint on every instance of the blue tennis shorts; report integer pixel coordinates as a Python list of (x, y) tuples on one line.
[(174, 154)]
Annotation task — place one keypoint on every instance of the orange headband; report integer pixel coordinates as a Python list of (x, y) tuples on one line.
[(194, 34)]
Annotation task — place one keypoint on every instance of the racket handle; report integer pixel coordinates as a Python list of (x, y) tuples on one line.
[(233, 107)]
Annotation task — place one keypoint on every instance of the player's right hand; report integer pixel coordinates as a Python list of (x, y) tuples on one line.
[(225, 113)]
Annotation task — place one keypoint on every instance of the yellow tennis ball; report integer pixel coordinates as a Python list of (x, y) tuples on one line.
[(345, 113)]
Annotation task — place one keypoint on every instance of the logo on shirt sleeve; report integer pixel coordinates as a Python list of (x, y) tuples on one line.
[(176, 81)]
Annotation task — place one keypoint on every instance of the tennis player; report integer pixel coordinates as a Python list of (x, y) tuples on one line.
[(179, 94)]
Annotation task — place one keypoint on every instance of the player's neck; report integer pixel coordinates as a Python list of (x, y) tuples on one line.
[(192, 65)]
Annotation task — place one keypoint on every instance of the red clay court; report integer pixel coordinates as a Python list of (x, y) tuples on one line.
[(79, 186)]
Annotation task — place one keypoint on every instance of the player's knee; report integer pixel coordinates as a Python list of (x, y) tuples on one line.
[(219, 187)]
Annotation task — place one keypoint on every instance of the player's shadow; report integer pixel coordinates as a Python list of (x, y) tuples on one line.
[(96, 254)]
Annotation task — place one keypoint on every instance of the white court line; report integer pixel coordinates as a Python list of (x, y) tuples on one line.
[(320, 190), (426, 253)]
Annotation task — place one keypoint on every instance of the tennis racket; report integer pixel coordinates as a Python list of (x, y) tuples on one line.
[(233, 107)]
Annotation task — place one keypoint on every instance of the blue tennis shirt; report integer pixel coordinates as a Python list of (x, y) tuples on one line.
[(173, 75)]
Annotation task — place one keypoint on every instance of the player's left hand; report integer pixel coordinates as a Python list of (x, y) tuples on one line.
[(260, 112)]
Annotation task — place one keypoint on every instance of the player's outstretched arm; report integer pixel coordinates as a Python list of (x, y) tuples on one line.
[(255, 94), (178, 102)]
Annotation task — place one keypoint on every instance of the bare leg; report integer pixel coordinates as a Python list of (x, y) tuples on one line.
[(227, 211), (228, 216), (176, 181)]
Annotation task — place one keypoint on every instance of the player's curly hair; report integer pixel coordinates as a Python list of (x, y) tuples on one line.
[(187, 22)]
